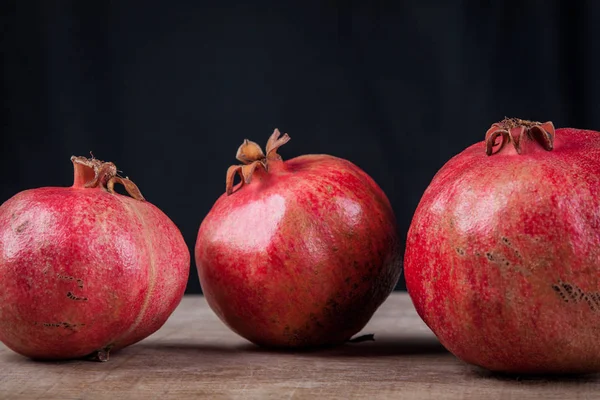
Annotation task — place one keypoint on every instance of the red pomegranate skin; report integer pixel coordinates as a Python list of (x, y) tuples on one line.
[(503, 254), (302, 256), (84, 271)]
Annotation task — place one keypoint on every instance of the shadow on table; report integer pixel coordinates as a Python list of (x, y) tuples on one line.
[(182, 348), (574, 379), (139, 351), (384, 346)]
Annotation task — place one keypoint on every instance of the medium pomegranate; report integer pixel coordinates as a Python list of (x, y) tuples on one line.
[(85, 270), (301, 253), (502, 257)]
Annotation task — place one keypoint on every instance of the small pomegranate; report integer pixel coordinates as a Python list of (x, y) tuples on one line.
[(503, 254), (85, 270), (301, 253)]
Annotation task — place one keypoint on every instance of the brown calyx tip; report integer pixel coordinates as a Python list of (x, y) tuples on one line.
[(253, 157), (93, 173), (516, 131)]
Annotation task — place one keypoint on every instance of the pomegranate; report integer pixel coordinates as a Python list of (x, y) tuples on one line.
[(301, 253), (502, 257), (85, 270)]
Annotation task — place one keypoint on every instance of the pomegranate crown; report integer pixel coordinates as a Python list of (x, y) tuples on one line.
[(515, 131), (253, 157), (93, 173)]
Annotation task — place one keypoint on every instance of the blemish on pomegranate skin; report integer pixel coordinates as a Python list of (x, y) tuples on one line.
[(460, 251), (593, 301), (573, 293), (517, 254), (71, 326), (65, 325), (22, 227), (52, 325), (560, 292), (71, 296), (70, 278)]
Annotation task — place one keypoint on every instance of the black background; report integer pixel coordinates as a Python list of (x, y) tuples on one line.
[(168, 90)]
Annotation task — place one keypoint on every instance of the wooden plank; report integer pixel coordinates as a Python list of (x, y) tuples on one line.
[(195, 356)]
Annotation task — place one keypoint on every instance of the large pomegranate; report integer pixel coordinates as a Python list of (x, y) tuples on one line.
[(503, 254), (85, 270), (301, 253)]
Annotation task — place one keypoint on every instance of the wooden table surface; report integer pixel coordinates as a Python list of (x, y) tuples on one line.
[(195, 356)]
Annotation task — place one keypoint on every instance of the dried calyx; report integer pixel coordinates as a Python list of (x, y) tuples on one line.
[(253, 157), (93, 173), (516, 131)]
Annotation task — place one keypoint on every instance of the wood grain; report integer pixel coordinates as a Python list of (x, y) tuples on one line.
[(195, 356)]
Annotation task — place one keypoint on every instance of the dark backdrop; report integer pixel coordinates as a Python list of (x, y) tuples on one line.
[(168, 90)]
